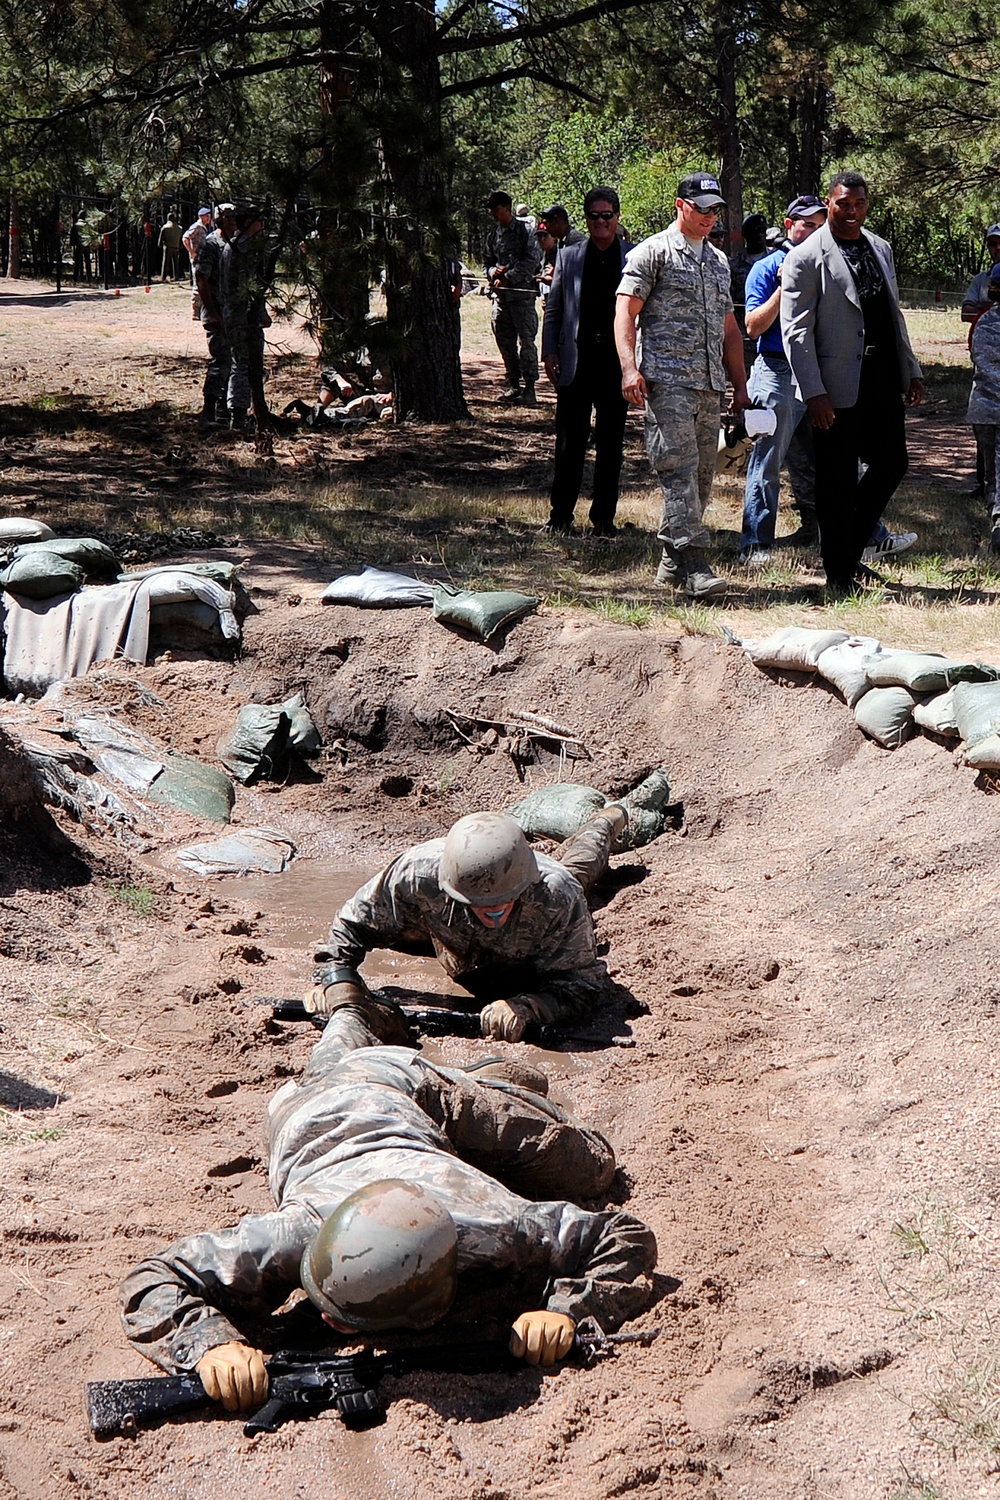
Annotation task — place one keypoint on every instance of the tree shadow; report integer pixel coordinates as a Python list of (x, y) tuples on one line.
[(17, 1094)]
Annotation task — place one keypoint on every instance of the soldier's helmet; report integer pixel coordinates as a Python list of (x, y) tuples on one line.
[(486, 860), (387, 1257)]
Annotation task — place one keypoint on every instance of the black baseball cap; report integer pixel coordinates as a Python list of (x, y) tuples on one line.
[(805, 206), (701, 189)]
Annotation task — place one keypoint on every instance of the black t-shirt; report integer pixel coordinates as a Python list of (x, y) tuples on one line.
[(602, 271), (880, 327)]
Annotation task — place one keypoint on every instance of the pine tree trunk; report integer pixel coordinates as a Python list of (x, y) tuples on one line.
[(730, 144), (422, 314), (14, 254)]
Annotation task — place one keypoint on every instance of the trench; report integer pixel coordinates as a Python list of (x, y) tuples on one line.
[(810, 948)]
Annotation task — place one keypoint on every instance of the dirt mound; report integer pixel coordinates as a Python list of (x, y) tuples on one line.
[(812, 949)]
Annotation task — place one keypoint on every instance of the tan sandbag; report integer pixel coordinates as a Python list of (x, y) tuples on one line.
[(795, 649)]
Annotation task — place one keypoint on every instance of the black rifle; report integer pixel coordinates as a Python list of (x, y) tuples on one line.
[(302, 1383), (431, 1021)]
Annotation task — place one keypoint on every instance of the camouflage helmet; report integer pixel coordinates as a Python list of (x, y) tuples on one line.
[(486, 859), (387, 1257)]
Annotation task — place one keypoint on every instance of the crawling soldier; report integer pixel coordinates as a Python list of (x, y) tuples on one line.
[(510, 925), (378, 1166)]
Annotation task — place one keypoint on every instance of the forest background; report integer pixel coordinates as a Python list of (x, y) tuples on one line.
[(375, 130)]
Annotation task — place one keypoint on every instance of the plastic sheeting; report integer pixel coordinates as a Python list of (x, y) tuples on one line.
[(46, 640)]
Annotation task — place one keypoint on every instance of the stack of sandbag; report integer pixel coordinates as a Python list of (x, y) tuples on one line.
[(892, 692), (54, 566)]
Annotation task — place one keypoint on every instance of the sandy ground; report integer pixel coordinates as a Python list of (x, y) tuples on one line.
[(806, 973)]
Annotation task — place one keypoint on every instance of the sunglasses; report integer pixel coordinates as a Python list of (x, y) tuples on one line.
[(603, 213)]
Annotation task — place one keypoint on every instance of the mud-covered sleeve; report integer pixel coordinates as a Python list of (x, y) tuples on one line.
[(602, 1265), (572, 979), (178, 1305), (379, 915)]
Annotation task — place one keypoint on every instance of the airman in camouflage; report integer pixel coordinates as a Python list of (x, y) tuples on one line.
[(208, 281), (513, 260), (675, 286), (364, 1113), (528, 947)]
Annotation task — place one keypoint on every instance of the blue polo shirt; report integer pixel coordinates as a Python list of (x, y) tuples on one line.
[(762, 283)]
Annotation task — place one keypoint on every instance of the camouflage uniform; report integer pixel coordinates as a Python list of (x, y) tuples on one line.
[(546, 947), (242, 310), (681, 325), (515, 316), (363, 1113), (209, 266), (984, 400)]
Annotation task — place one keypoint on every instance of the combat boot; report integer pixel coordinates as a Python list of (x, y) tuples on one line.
[(699, 580), (509, 396), (670, 574), (528, 397)]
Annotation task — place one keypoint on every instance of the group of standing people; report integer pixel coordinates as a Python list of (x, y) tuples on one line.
[(653, 325)]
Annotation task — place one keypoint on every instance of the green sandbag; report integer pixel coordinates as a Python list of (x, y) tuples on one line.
[(977, 710), (42, 576), (938, 715), (557, 812), (192, 787), (96, 560), (886, 715), (481, 614), (258, 745), (925, 671), (303, 735)]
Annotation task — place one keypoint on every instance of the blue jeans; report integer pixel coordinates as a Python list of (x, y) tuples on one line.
[(771, 386)]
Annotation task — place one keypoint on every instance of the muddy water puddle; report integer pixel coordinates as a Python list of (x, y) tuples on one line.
[(299, 905)]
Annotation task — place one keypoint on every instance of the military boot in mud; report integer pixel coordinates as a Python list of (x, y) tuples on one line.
[(646, 806), (670, 574), (699, 580)]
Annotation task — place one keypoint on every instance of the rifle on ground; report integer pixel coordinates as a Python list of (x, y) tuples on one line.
[(302, 1384), (430, 1021)]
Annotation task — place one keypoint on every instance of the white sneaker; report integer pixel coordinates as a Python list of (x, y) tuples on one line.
[(757, 557), (889, 546)]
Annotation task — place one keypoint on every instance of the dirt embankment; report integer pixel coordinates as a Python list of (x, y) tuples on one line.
[(811, 949)]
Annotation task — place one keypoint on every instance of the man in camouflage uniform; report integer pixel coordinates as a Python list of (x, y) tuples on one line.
[(208, 282), (513, 260), (364, 1115), (676, 288), (244, 312), (509, 925)]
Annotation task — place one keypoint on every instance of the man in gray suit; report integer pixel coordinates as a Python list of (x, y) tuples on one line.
[(578, 351), (847, 344)]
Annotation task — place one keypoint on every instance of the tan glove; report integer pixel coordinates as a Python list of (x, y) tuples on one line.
[(234, 1374), (542, 1337), (506, 1019), (324, 999)]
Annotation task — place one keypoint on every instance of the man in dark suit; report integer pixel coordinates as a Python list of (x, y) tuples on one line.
[(578, 351), (853, 367)]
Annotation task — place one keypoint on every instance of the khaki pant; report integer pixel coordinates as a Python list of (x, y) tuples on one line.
[(682, 439)]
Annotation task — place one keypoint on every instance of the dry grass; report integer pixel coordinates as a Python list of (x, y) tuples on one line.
[(468, 503)]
